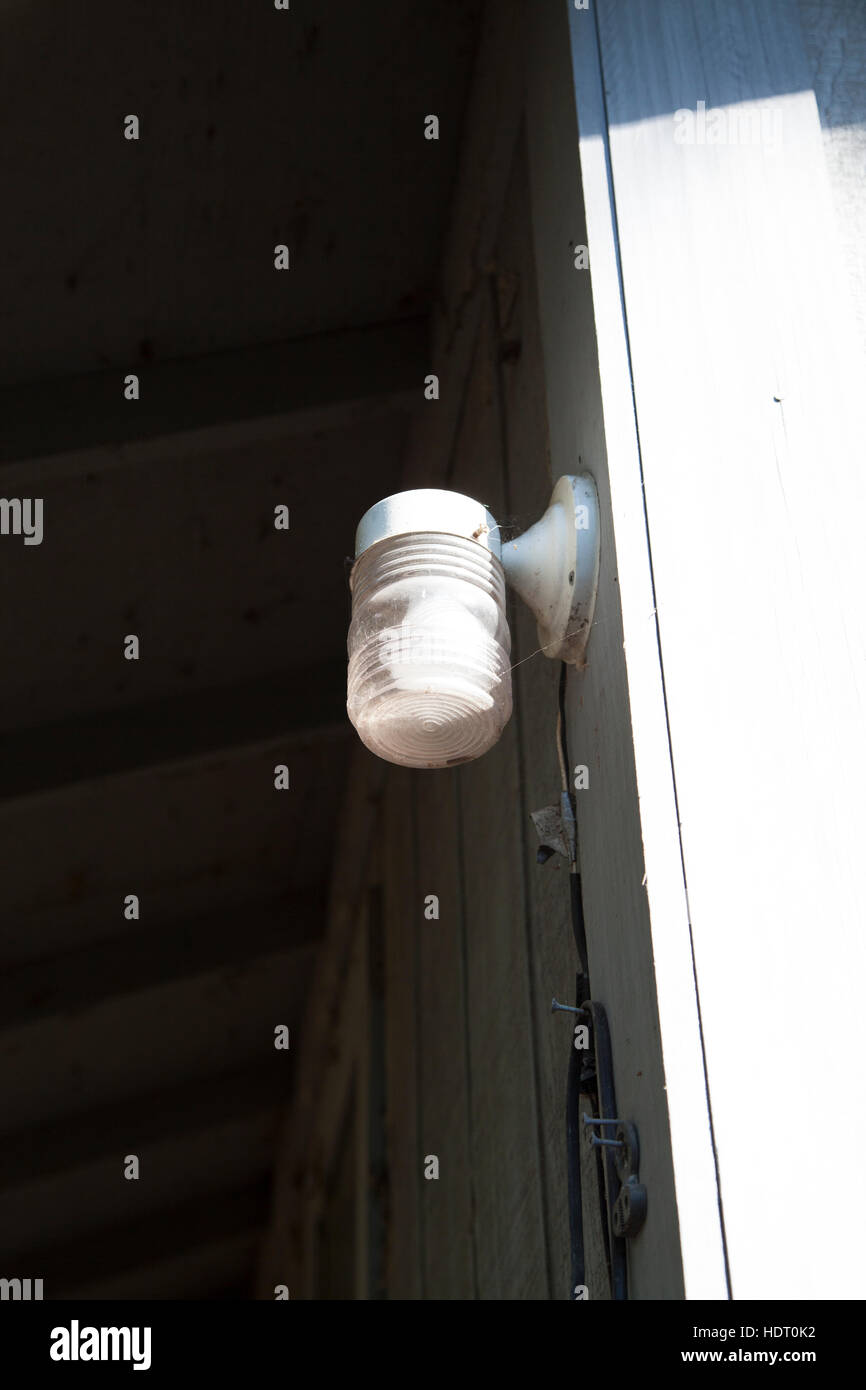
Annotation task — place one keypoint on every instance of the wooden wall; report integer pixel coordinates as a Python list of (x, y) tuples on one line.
[(474, 1062), (481, 978)]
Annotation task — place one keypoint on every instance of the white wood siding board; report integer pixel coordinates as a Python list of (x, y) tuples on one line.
[(591, 417), (748, 381)]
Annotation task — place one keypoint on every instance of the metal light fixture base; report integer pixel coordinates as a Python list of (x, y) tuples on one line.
[(554, 568)]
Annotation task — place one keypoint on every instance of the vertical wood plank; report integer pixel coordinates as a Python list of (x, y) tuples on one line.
[(510, 1233), (403, 1258), (491, 124), (445, 1081), (361, 1098), (288, 1249), (377, 1157)]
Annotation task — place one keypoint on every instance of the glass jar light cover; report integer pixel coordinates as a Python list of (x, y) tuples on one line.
[(429, 648)]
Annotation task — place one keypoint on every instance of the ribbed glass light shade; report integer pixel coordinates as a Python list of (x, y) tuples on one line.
[(429, 648)]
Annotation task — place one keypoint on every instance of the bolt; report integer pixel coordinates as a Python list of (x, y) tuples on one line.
[(597, 1120), (567, 1008)]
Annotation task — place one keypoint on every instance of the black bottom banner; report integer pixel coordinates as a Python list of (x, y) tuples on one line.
[(257, 1340)]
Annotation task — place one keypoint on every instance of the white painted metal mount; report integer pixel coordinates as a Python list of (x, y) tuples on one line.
[(553, 565), (554, 568), (428, 509)]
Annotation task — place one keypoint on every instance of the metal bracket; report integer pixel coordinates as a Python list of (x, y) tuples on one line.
[(554, 568), (629, 1209), (624, 1195)]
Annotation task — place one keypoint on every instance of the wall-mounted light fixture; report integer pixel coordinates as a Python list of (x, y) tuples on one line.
[(429, 645)]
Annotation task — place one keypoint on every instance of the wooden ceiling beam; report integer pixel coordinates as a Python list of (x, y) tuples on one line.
[(319, 381), (88, 1136), (73, 981), (304, 702), (115, 1249)]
